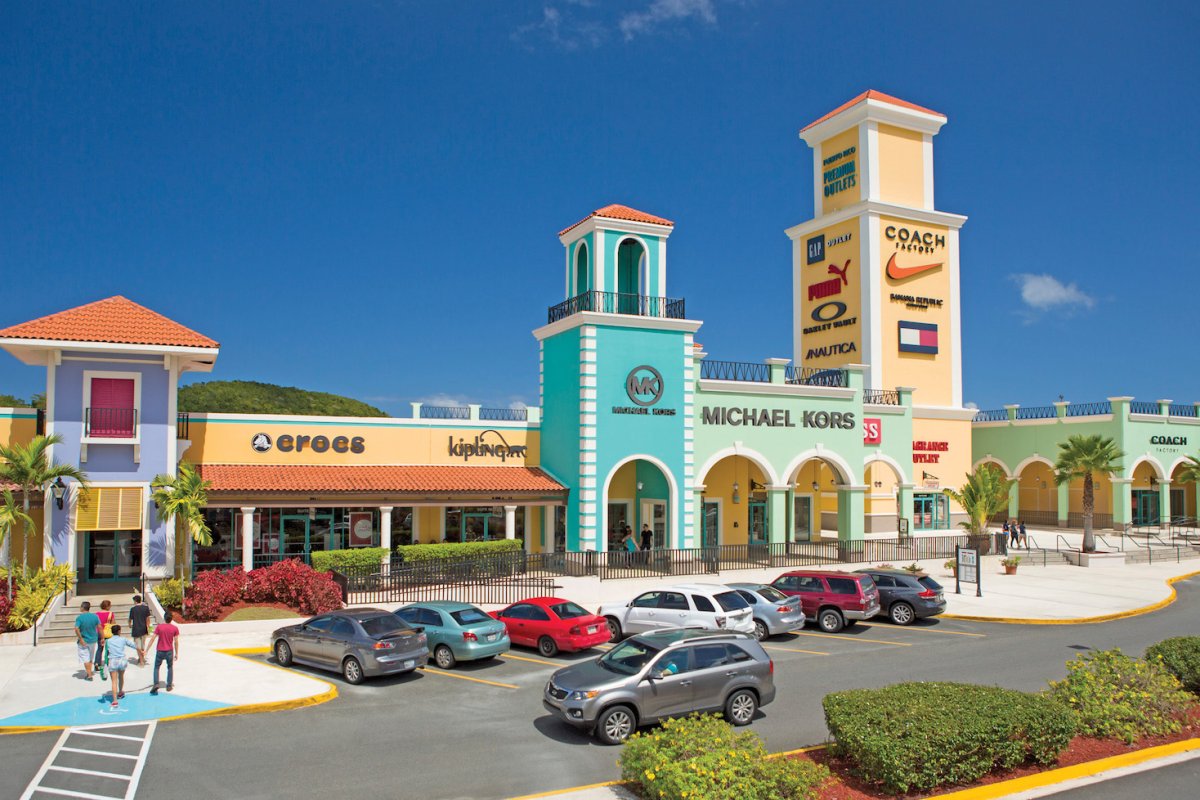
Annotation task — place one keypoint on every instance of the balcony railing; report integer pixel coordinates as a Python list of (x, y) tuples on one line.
[(504, 414), (445, 412), (1037, 412), (182, 423), (1089, 409), (881, 397), (992, 415), (748, 371), (110, 423), (1182, 411), (1143, 407), (638, 305), (813, 376)]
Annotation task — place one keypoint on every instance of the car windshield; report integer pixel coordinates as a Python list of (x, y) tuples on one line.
[(771, 593), (929, 583), (867, 582), (568, 610), (382, 626), (469, 615), (731, 601), (629, 657)]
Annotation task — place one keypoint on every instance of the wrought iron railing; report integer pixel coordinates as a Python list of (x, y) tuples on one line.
[(110, 423), (813, 376), (445, 412), (1143, 407), (504, 414), (618, 303), (41, 422), (1037, 412), (1182, 411), (992, 415), (182, 425), (1089, 409), (749, 371), (881, 397)]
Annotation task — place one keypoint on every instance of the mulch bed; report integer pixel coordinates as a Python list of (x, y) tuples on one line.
[(845, 786), (227, 610)]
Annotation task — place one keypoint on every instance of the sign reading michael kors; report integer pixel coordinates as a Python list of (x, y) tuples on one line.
[(774, 417), (644, 385)]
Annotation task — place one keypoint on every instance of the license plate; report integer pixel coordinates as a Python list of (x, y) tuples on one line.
[(491, 637), (409, 664), (592, 628)]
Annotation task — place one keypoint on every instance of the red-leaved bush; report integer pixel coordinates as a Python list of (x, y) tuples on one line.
[(5, 606), (290, 582)]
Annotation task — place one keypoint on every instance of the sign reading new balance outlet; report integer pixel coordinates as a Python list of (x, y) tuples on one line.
[(644, 386), (918, 337)]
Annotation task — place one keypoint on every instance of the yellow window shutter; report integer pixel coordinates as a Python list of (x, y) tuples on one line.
[(110, 508)]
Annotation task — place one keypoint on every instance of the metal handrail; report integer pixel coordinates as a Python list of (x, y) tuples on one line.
[(1120, 540), (1031, 544), (113, 423), (445, 412), (1059, 538), (49, 600), (1182, 411), (639, 305), (504, 414)]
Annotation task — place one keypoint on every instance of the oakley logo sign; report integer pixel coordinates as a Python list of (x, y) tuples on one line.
[(260, 442), (644, 385)]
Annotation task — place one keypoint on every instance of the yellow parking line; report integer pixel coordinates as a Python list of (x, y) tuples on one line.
[(428, 671), (850, 638), (927, 630), (530, 660), (795, 650)]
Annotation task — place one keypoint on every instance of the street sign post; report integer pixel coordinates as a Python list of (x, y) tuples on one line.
[(966, 560)]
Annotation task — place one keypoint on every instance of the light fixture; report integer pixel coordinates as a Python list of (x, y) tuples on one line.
[(737, 498), (816, 487), (1153, 481), (878, 484), (640, 485), (58, 489), (312, 513)]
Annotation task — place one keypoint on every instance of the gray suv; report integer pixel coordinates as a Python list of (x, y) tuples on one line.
[(663, 674)]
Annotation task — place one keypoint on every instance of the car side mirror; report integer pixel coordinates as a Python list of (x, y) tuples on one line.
[(654, 675)]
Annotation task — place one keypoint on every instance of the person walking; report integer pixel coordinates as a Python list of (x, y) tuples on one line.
[(647, 536), (107, 618), (87, 633), (166, 648), (629, 544), (1024, 535), (139, 627), (118, 659), (1005, 530), (1013, 534)]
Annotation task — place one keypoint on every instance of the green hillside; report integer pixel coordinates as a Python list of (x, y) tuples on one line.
[(250, 397)]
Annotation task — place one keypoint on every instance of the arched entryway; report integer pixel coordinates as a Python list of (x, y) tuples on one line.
[(639, 494), (582, 284), (818, 510), (1184, 494), (1037, 493), (631, 278), (1147, 492), (883, 480), (735, 505)]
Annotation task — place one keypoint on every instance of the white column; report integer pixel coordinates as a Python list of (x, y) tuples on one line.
[(510, 522), (416, 524), (385, 536), (248, 538), (548, 543)]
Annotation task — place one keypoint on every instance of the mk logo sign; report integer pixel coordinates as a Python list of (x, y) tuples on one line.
[(644, 385)]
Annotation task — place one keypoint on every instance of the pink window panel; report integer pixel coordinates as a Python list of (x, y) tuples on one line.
[(112, 411)]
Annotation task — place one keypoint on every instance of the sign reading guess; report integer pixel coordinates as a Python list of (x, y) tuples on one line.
[(872, 430)]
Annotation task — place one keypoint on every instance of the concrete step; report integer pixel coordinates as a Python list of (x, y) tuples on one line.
[(1036, 558), (1160, 555)]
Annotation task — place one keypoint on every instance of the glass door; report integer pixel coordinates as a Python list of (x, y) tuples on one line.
[(654, 512), (618, 518), (802, 519), (1178, 504), (113, 555), (1145, 507), (757, 533), (127, 556), (475, 526), (294, 536), (923, 511), (710, 534)]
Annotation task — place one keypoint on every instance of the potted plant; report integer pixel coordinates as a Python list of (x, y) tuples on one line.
[(1010, 564), (952, 565)]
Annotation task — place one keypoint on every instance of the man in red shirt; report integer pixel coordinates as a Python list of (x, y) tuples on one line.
[(166, 648)]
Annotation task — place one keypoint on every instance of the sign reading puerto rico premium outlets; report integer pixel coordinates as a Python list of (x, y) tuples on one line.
[(839, 171), (774, 418), (287, 443)]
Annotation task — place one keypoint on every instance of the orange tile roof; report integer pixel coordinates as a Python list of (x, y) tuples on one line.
[(359, 479), (626, 213), (115, 320), (871, 94)]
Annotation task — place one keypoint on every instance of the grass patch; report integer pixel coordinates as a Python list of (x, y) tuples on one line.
[(261, 612)]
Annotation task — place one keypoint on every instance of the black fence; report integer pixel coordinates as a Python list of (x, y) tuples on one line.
[(618, 303), (495, 580)]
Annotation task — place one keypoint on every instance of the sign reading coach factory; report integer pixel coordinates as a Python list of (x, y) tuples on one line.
[(774, 417)]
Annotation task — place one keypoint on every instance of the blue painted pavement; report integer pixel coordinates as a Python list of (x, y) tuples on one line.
[(98, 710)]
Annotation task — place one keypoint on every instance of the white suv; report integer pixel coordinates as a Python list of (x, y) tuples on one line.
[(688, 605)]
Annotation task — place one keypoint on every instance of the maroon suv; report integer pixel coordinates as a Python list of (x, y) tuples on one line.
[(835, 600)]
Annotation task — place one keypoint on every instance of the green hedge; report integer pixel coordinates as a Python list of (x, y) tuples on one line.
[(354, 558), (1118, 697), (170, 593), (444, 550), (704, 758), (918, 736), (1181, 657)]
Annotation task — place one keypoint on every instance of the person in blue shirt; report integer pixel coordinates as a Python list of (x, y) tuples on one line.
[(118, 648), (87, 636)]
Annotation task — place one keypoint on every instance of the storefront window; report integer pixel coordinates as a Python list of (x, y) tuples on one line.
[(482, 523), (931, 511)]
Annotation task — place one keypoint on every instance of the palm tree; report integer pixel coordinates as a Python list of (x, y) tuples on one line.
[(1083, 456), (29, 467), (184, 498), (10, 516), (1189, 472), (985, 493)]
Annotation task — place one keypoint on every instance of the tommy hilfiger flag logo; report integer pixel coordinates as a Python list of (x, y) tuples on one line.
[(918, 337)]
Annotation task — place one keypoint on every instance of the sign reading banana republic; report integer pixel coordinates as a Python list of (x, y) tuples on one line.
[(774, 418), (644, 386), (482, 446), (287, 443)]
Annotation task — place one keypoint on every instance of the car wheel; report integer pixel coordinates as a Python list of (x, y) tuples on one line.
[(760, 630), (902, 613), (614, 629), (547, 647), (283, 653), (616, 725), (352, 671), (830, 620), (443, 656), (741, 707)]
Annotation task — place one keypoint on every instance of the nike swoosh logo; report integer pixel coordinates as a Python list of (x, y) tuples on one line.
[(900, 273)]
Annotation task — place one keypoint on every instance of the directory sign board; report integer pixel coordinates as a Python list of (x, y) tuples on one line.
[(966, 560)]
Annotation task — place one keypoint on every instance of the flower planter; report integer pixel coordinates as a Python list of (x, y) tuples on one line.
[(1010, 570)]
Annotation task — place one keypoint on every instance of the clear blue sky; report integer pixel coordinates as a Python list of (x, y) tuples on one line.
[(363, 198)]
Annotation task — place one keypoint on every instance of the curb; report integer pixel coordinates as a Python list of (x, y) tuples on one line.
[(1136, 612), (248, 708)]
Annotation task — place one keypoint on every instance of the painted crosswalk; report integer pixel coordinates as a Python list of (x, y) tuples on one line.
[(96, 762)]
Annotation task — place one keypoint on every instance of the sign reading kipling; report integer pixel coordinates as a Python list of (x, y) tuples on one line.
[(483, 447)]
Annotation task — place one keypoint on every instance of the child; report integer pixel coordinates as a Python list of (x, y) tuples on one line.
[(118, 660), (107, 618)]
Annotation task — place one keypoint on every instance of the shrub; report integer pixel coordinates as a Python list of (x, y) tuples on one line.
[(444, 550), (359, 558), (5, 607), (918, 736), (296, 585), (705, 758), (31, 592), (212, 591), (1181, 657), (170, 593), (1118, 697)]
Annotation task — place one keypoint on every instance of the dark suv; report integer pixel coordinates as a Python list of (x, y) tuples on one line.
[(835, 600), (907, 596)]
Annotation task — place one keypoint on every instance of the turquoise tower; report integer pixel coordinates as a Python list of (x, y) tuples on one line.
[(616, 361)]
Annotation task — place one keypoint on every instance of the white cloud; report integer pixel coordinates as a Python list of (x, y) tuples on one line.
[(443, 400), (565, 31), (1045, 292), (660, 11), (971, 405)]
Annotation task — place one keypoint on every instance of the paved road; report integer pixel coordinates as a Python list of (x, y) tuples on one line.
[(1177, 780), (438, 735)]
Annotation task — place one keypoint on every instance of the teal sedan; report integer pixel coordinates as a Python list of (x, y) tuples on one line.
[(457, 631)]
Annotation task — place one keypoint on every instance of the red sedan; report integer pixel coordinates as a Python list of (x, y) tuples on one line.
[(551, 624)]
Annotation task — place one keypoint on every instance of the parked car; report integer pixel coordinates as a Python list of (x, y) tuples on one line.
[(456, 631), (552, 624), (661, 674), (907, 596), (834, 600), (359, 643), (773, 611), (694, 605)]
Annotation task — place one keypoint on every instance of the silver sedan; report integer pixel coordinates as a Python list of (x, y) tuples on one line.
[(774, 612)]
